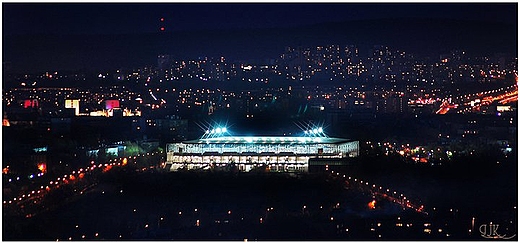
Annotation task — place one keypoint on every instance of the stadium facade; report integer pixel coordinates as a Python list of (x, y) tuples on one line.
[(219, 149)]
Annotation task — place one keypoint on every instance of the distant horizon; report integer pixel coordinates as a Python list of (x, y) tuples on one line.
[(100, 36), (107, 18), (243, 28)]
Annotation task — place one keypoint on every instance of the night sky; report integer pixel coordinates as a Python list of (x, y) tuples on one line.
[(88, 35), (96, 18)]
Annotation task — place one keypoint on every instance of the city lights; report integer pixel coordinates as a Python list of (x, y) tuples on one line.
[(248, 152), (218, 131), (188, 132)]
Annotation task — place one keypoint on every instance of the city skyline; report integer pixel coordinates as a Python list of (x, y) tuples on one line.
[(91, 36)]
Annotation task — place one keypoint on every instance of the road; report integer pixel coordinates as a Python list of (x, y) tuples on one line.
[(476, 102), (36, 200)]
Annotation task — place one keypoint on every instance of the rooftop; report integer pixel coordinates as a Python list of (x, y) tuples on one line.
[(268, 139)]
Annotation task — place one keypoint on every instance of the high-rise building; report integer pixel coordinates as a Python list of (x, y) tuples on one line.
[(72, 104)]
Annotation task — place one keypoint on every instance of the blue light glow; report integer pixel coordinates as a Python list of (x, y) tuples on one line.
[(216, 131)]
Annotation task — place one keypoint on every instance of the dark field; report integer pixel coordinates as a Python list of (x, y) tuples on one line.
[(154, 205), (157, 205)]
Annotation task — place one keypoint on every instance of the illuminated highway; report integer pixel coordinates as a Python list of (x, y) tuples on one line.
[(379, 193), (32, 201), (477, 102)]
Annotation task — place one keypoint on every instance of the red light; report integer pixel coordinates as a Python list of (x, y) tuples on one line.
[(111, 104), (372, 204), (42, 167), (33, 103), (162, 28), (5, 122), (162, 19), (107, 168), (27, 104)]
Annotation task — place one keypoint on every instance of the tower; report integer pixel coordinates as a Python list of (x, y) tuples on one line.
[(161, 24)]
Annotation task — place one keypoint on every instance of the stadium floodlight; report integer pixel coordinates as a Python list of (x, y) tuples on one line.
[(320, 129), (218, 130), (207, 131), (315, 131), (224, 130), (306, 132), (212, 131)]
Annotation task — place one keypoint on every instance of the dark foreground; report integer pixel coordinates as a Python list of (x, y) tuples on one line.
[(155, 205)]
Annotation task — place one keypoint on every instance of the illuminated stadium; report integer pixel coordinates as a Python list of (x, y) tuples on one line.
[(217, 148)]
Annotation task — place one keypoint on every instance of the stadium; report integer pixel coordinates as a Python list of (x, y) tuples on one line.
[(218, 149)]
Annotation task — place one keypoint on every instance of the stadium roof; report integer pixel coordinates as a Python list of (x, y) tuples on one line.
[(268, 139)]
